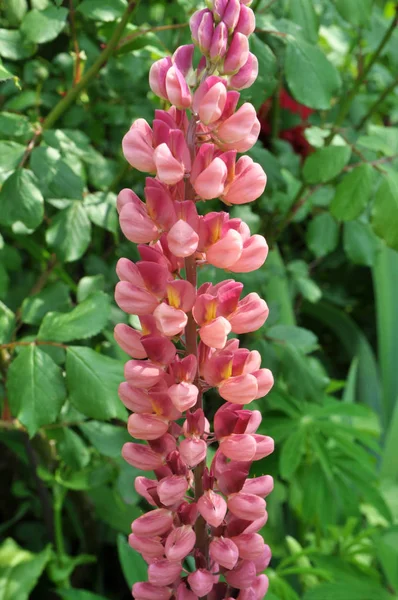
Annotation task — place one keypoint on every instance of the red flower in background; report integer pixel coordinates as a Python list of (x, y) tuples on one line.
[(294, 135)]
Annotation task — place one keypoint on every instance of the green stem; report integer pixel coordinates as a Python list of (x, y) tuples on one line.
[(346, 105), (92, 72), (376, 104), (59, 494)]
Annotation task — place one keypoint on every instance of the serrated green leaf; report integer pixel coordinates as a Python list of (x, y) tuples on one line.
[(355, 12), (36, 389), (133, 565), (360, 243), (326, 163), (385, 210), (303, 13), (70, 447), (292, 453), (321, 81), (21, 200), (352, 193), (11, 154), (101, 209), (70, 232), (15, 126), (54, 297), (322, 235), (55, 175), (106, 438), (86, 320), (93, 381), (89, 285), (7, 323), (102, 10), (20, 570), (13, 46)]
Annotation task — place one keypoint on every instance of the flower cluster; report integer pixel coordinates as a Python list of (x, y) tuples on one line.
[(208, 509)]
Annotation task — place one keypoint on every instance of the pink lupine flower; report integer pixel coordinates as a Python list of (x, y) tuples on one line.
[(194, 158)]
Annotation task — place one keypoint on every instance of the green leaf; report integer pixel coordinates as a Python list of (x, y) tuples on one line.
[(387, 553), (305, 285), (93, 381), (352, 193), (89, 285), (70, 232), (15, 11), (20, 570), (292, 453), (380, 139), (76, 594), (7, 323), (86, 320), (44, 26), (111, 509), (101, 209), (355, 12), (102, 10), (322, 235), (21, 200), (13, 46), (385, 210), (14, 126), (326, 163), (11, 154), (5, 73), (303, 339), (36, 388), (133, 565), (266, 81), (311, 78), (360, 243), (106, 438), (88, 478), (354, 589), (54, 297), (56, 177), (70, 447), (303, 13)]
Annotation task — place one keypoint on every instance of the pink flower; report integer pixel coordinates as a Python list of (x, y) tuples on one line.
[(156, 522), (163, 572), (249, 182), (180, 543), (224, 552), (212, 507)]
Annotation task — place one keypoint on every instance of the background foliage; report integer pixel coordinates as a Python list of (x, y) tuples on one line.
[(74, 76)]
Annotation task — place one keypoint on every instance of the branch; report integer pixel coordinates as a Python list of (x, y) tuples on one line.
[(376, 104), (12, 345)]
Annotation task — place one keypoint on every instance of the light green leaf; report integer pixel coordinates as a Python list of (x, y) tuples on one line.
[(303, 339), (326, 163), (385, 210), (101, 209), (352, 193), (360, 243), (7, 323), (13, 46), (14, 126), (303, 13), (355, 12), (133, 565), (44, 26), (54, 297), (322, 235), (380, 139), (70, 232), (102, 10), (93, 381), (21, 200), (55, 175), (106, 438), (5, 73), (89, 285), (11, 154), (36, 389), (20, 570), (311, 78), (292, 453), (86, 320), (15, 11)]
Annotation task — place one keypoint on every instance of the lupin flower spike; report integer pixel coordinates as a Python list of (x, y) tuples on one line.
[(212, 512)]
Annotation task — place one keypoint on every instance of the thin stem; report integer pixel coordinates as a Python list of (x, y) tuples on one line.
[(77, 67), (346, 105), (92, 72), (376, 104), (42, 491), (12, 345), (59, 494)]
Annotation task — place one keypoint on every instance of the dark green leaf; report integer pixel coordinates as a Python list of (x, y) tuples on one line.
[(54, 297), (303, 13), (292, 452), (102, 10), (20, 570), (55, 175), (111, 509), (93, 381), (11, 154), (21, 200), (387, 552), (311, 78), (326, 163), (45, 25), (75, 594), (84, 321), (360, 243), (355, 12), (303, 339), (385, 210), (36, 389), (70, 232), (352, 193), (7, 323), (266, 81), (133, 565), (106, 438), (71, 448), (14, 126), (322, 235)]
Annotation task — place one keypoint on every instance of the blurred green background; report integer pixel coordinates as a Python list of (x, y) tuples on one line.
[(73, 76)]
